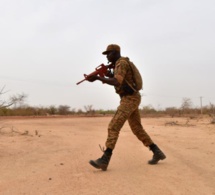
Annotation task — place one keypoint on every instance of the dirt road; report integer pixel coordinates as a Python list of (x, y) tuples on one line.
[(50, 157)]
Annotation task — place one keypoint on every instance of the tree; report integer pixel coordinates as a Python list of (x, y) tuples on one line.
[(186, 105), (63, 109), (212, 108), (18, 100), (79, 111), (148, 109), (52, 110), (172, 111), (89, 109), (3, 103), (212, 113)]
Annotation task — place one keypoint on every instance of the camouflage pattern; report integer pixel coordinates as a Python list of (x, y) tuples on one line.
[(127, 110), (123, 73)]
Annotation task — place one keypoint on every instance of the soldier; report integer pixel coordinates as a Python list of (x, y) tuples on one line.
[(123, 80)]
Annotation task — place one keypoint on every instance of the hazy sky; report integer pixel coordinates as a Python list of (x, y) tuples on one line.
[(47, 45)]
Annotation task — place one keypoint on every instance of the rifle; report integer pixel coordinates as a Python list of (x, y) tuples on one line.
[(101, 70)]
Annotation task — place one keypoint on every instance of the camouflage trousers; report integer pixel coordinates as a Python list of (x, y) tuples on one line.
[(127, 110)]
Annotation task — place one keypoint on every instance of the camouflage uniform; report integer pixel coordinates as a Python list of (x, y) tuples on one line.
[(128, 108)]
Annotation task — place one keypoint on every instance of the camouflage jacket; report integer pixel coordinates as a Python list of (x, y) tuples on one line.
[(124, 75)]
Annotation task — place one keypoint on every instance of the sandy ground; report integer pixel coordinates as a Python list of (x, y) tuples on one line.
[(50, 156)]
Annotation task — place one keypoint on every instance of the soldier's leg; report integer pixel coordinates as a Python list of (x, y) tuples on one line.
[(113, 133), (114, 128), (126, 107), (136, 126), (135, 123)]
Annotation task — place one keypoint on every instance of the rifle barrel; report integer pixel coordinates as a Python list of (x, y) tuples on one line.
[(80, 81)]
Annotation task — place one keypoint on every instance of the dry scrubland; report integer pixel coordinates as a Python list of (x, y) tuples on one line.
[(50, 156)]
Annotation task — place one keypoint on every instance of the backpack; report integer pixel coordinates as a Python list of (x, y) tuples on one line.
[(136, 76)]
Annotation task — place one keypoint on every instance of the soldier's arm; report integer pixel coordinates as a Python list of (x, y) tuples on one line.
[(110, 81)]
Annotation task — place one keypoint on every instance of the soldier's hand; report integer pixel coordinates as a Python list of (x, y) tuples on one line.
[(109, 74), (92, 78)]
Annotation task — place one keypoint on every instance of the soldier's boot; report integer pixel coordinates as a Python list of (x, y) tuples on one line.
[(157, 155), (102, 163)]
